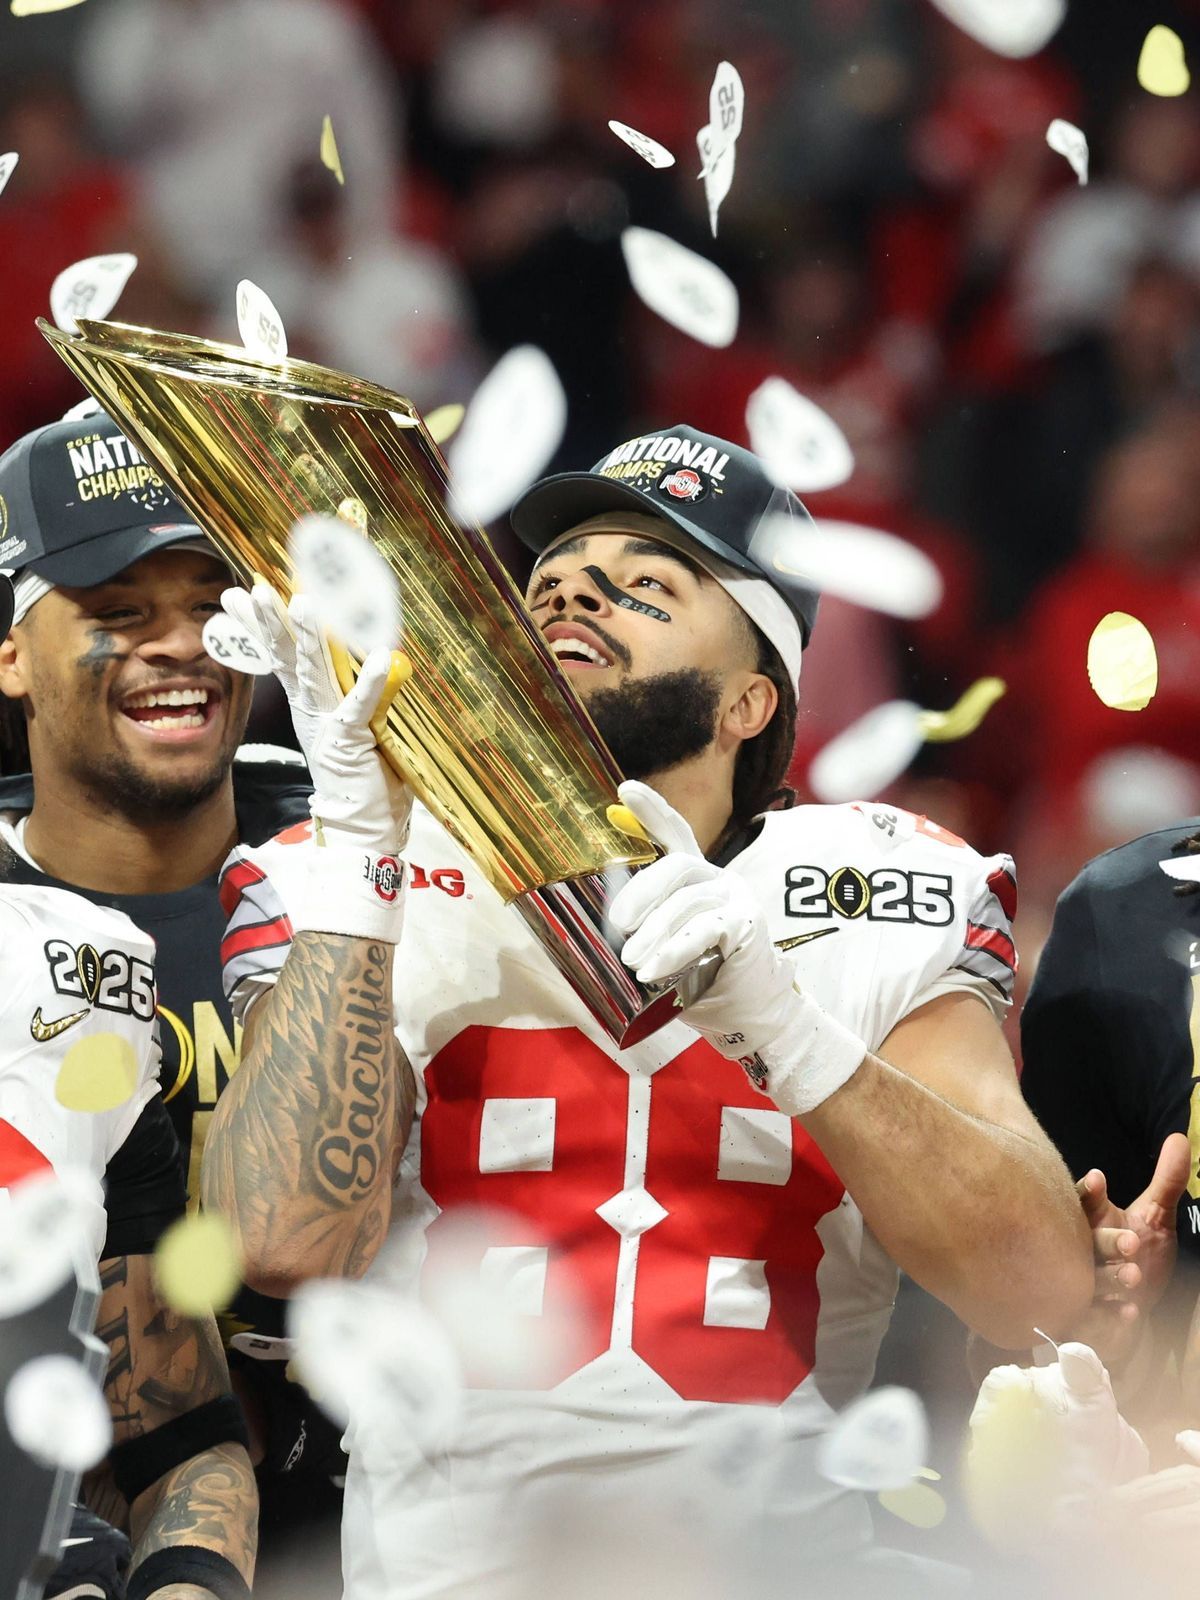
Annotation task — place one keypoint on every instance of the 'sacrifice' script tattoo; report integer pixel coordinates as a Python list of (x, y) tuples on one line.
[(303, 1143)]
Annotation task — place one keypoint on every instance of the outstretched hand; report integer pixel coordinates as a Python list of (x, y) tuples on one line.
[(1134, 1249)]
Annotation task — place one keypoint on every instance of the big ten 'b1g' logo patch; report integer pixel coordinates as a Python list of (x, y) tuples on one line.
[(887, 894), (110, 980)]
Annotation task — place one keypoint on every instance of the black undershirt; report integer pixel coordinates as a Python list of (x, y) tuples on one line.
[(1111, 1030)]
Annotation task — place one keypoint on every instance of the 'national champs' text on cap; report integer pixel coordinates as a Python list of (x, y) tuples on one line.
[(80, 503), (714, 491)]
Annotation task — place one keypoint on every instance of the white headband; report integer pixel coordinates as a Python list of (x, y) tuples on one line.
[(28, 589), (760, 600)]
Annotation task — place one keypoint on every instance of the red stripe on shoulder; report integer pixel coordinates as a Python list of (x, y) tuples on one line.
[(1004, 886), (298, 833), (235, 880), (994, 942), (18, 1157), (260, 936)]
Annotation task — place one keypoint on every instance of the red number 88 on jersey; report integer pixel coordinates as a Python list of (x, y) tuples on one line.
[(678, 1212)]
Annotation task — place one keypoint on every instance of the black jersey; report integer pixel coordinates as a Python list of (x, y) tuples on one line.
[(1111, 1030), (200, 1041)]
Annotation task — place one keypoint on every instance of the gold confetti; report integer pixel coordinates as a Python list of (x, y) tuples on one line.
[(623, 818), (196, 1265), (97, 1073), (916, 1503), (1161, 67), (1121, 662), (1013, 1463), (329, 151), (442, 422), (33, 8), (965, 715)]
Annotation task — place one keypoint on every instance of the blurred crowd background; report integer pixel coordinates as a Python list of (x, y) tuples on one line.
[(1014, 358)]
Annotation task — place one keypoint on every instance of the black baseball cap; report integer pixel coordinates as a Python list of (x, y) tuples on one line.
[(80, 503), (715, 492)]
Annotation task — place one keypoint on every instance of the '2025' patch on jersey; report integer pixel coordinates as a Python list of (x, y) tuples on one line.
[(887, 894), (111, 980)]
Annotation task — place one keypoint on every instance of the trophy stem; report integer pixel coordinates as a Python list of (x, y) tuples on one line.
[(570, 921)]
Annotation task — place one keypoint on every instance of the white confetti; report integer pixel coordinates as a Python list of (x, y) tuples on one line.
[(89, 288), (1185, 868), (655, 154), (8, 164), (227, 641), (47, 1223), (800, 446), (490, 1300), (90, 407), (512, 428), (35, 8), (56, 1413), (861, 565), (379, 1362), (716, 172), (353, 588), (1015, 28), (868, 755), (726, 105), (687, 291), (1065, 139), (878, 1442), (260, 327)]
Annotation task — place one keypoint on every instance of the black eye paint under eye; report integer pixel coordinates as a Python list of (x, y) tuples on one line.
[(625, 601), (99, 653)]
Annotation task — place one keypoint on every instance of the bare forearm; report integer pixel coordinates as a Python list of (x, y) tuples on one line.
[(301, 1148), (982, 1216), (210, 1501)]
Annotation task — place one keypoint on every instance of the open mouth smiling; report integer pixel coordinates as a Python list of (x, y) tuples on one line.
[(178, 710), (576, 646)]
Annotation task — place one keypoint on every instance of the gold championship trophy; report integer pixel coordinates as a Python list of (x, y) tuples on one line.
[(487, 730)]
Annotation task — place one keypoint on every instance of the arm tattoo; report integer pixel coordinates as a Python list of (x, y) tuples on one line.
[(159, 1363), (162, 1365), (303, 1143), (203, 1502)]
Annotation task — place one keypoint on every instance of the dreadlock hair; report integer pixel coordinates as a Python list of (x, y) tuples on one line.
[(762, 762), (1192, 846)]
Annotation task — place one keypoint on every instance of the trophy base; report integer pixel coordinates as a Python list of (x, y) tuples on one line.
[(570, 922)]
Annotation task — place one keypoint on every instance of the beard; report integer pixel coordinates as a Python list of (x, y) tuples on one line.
[(117, 785), (653, 724)]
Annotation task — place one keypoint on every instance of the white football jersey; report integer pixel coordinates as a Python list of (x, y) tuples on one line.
[(69, 971), (713, 1256)]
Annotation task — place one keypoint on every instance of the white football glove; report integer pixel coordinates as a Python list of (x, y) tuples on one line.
[(360, 808), (680, 907), (1090, 1449)]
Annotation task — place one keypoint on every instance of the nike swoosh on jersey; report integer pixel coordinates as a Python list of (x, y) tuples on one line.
[(803, 938), (43, 1031)]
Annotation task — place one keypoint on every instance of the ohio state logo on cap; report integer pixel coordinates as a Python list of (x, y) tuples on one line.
[(683, 484)]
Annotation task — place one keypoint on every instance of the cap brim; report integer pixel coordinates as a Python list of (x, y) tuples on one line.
[(7, 604), (98, 560), (556, 505)]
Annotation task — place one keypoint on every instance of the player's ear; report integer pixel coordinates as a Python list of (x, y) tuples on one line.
[(757, 699), (13, 676)]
